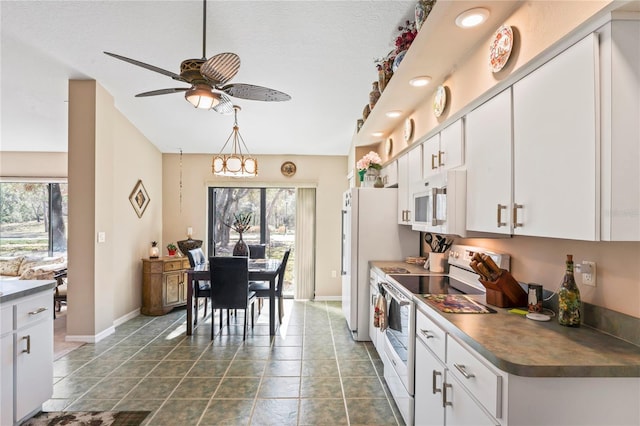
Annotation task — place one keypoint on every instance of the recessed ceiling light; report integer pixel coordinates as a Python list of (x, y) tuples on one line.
[(472, 17), (377, 134), (393, 114), (420, 81)]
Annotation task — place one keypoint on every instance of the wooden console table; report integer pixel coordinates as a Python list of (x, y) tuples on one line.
[(164, 284)]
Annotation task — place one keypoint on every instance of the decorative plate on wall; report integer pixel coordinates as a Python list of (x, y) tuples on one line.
[(500, 48), (408, 129), (439, 101), (288, 168), (388, 147)]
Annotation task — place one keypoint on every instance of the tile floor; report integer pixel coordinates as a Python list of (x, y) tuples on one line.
[(311, 373)]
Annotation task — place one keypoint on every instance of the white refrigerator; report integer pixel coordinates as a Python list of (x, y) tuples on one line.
[(370, 231)]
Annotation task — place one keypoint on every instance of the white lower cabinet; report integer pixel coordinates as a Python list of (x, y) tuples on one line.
[(26, 355), (440, 398)]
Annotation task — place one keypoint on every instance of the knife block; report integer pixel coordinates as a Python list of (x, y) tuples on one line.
[(505, 292)]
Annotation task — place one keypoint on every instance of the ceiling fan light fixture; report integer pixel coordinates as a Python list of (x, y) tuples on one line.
[(472, 17), (237, 163), (201, 97)]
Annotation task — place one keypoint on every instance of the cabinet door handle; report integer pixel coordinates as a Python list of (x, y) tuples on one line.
[(440, 155), (444, 395), (434, 388), (499, 215), (515, 215), (427, 334), (462, 369), (433, 159), (37, 311), (28, 339)]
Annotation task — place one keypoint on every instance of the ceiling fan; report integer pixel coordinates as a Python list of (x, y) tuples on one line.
[(208, 79)]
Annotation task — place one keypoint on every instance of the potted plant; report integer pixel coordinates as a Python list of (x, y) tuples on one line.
[(241, 222), (172, 249), (369, 168)]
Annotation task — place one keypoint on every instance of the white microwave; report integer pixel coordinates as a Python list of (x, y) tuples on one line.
[(439, 204)]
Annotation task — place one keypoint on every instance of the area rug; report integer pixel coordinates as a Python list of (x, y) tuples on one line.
[(88, 418)]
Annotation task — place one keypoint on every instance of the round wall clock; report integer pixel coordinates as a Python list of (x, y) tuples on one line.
[(388, 147), (439, 101), (408, 129), (288, 168)]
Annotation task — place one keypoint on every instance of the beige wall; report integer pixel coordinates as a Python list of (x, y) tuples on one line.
[(50, 165), (326, 173), (107, 157)]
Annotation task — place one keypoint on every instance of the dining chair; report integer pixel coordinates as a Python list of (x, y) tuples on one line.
[(203, 289), (230, 287), (261, 288), (257, 251)]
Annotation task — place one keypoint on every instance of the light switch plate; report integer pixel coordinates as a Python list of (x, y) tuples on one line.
[(102, 237)]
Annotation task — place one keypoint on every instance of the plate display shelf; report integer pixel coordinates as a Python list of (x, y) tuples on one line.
[(419, 60)]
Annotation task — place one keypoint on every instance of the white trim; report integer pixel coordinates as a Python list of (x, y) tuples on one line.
[(24, 179), (251, 183), (89, 338), (328, 299), (126, 317)]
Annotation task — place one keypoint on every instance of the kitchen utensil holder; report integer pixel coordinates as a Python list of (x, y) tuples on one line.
[(505, 292)]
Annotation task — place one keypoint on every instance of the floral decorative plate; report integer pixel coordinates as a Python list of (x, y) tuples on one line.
[(439, 101), (408, 129), (500, 48)]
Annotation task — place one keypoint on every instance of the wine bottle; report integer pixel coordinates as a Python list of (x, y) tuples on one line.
[(569, 304)]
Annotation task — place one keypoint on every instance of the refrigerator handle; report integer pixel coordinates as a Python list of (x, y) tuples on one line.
[(342, 271)]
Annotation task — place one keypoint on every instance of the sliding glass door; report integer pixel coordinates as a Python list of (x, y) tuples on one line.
[(273, 223)]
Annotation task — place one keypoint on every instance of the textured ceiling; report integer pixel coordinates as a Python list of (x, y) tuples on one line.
[(319, 52)]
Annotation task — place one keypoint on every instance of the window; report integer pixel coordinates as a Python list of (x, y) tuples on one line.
[(33, 218), (273, 223)]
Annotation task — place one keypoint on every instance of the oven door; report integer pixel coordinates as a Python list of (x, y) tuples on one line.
[(399, 346)]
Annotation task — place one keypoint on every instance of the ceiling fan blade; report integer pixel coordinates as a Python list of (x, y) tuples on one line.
[(252, 92), (147, 66), (162, 92), (225, 106), (221, 67)]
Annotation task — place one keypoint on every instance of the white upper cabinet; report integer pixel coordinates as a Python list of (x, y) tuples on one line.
[(443, 151), (489, 168), (409, 176), (555, 147), (389, 174), (620, 130)]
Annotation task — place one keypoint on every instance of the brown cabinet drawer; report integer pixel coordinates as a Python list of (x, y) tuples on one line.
[(173, 265)]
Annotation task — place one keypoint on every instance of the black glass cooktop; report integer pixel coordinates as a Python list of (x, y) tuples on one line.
[(434, 284)]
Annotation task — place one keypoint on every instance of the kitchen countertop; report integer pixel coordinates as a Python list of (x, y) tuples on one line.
[(529, 348), (14, 289)]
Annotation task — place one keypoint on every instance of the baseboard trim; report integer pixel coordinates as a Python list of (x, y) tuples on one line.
[(126, 317), (109, 331), (328, 298), (89, 338)]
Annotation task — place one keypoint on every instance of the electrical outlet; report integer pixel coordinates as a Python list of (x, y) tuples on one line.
[(334, 274), (588, 273)]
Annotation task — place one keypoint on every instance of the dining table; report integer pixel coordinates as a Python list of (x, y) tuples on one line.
[(259, 270)]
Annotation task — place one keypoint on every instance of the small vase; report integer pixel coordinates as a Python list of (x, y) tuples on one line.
[(241, 248), (370, 177), (361, 174), (382, 80), (398, 60), (172, 252), (374, 95)]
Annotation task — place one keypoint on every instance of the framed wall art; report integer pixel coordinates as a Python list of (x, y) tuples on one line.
[(139, 198)]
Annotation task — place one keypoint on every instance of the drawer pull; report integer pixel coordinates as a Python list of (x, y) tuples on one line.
[(28, 339), (427, 334), (444, 395), (463, 371), (434, 388), (37, 311)]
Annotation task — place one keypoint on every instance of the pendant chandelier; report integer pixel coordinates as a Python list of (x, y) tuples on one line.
[(239, 163)]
